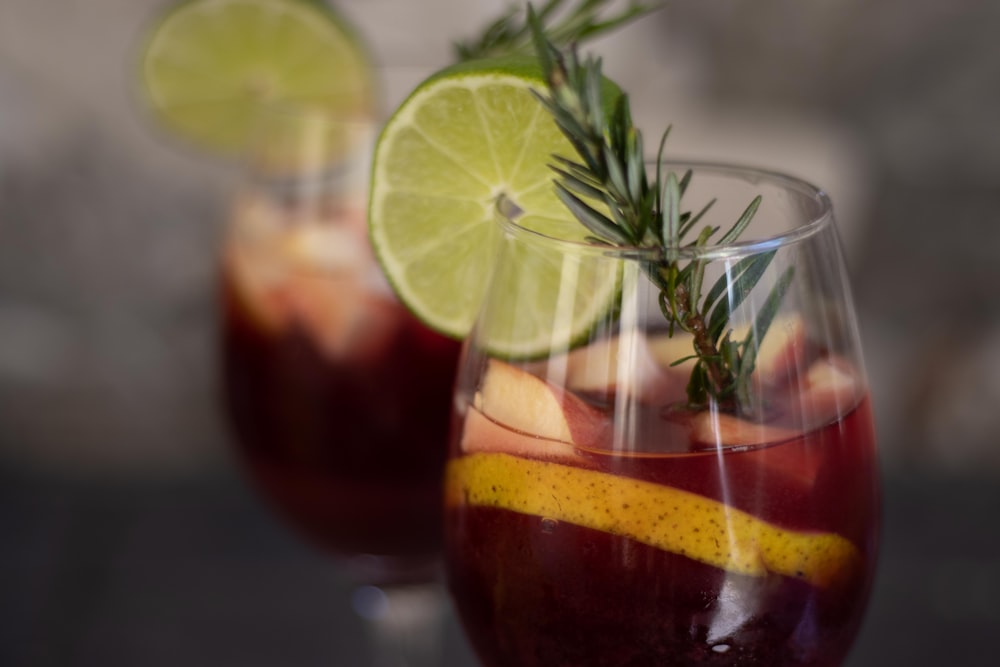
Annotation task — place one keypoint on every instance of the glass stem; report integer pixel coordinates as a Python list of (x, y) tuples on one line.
[(405, 623)]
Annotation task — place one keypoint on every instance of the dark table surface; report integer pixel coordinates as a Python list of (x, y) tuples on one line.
[(197, 572)]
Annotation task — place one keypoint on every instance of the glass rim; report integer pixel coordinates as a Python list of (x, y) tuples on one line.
[(301, 119), (806, 228), (311, 110), (289, 139)]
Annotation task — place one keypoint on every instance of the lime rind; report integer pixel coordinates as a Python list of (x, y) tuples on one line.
[(462, 139)]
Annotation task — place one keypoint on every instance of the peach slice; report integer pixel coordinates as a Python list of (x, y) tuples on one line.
[(271, 248), (664, 517), (781, 354), (523, 402)]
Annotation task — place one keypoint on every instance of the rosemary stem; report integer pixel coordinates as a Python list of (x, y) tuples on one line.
[(690, 319), (720, 377), (608, 190)]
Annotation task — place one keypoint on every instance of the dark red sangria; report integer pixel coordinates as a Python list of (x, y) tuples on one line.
[(339, 397), (722, 542), (640, 477)]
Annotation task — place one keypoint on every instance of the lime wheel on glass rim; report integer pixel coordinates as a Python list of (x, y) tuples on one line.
[(208, 66), (465, 137)]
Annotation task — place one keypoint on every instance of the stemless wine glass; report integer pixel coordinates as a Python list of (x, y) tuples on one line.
[(602, 511), (339, 398)]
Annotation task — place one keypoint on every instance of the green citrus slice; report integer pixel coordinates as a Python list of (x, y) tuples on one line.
[(209, 65), (462, 139)]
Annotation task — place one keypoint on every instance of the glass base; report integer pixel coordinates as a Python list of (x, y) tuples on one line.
[(383, 571), (404, 623)]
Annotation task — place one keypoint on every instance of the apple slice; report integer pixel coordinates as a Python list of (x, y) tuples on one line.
[(668, 350), (779, 355), (255, 278), (324, 246), (796, 465), (830, 389), (340, 314), (326, 292), (482, 434), (622, 365), (523, 402), (792, 466), (720, 429)]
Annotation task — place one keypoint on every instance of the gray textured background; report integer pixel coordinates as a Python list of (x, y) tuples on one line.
[(125, 536)]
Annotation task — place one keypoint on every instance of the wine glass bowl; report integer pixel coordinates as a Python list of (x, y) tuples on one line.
[(608, 504), (338, 396)]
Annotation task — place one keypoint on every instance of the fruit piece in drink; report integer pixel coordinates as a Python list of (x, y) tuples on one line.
[(630, 558), (339, 396), (518, 399), (674, 520)]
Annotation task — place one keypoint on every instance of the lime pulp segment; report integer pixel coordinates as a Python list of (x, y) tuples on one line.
[(458, 143)]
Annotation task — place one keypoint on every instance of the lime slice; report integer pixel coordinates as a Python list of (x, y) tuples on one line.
[(209, 65), (463, 138)]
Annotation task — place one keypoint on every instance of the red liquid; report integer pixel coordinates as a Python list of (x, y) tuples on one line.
[(346, 439), (542, 592)]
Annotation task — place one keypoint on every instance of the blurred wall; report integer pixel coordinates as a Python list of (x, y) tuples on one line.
[(106, 246), (108, 228), (918, 84)]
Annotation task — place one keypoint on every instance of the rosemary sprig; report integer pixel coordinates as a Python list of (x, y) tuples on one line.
[(607, 187), (511, 33)]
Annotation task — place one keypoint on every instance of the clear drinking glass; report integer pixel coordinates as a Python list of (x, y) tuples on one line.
[(338, 397), (596, 515)]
